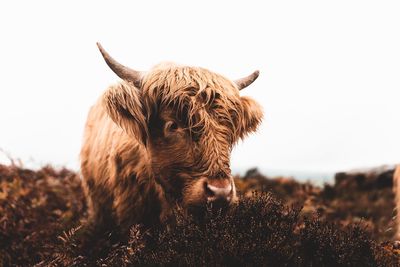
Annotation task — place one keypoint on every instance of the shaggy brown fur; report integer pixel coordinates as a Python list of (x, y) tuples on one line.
[(162, 140)]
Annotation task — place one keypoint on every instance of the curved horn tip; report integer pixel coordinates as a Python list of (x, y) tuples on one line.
[(122, 71), (100, 47), (254, 75), (246, 81), (98, 44)]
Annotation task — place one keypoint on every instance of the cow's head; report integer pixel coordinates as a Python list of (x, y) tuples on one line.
[(188, 119)]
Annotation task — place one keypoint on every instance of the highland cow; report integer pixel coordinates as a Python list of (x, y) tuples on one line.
[(160, 138)]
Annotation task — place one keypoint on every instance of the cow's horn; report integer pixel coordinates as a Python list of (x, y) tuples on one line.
[(122, 71), (246, 81)]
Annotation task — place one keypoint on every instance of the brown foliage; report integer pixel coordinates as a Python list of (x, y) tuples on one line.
[(40, 215), (35, 208)]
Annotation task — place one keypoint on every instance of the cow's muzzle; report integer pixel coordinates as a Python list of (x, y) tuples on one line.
[(220, 190)]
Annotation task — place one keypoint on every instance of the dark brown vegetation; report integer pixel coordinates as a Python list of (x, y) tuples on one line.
[(364, 198), (339, 225)]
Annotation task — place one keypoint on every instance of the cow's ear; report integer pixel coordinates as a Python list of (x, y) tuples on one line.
[(252, 116), (124, 105)]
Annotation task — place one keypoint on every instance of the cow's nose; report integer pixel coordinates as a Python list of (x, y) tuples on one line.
[(219, 189)]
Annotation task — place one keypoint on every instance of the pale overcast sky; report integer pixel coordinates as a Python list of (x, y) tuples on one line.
[(329, 82)]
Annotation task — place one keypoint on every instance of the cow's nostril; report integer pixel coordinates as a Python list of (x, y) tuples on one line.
[(214, 192), (209, 193)]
